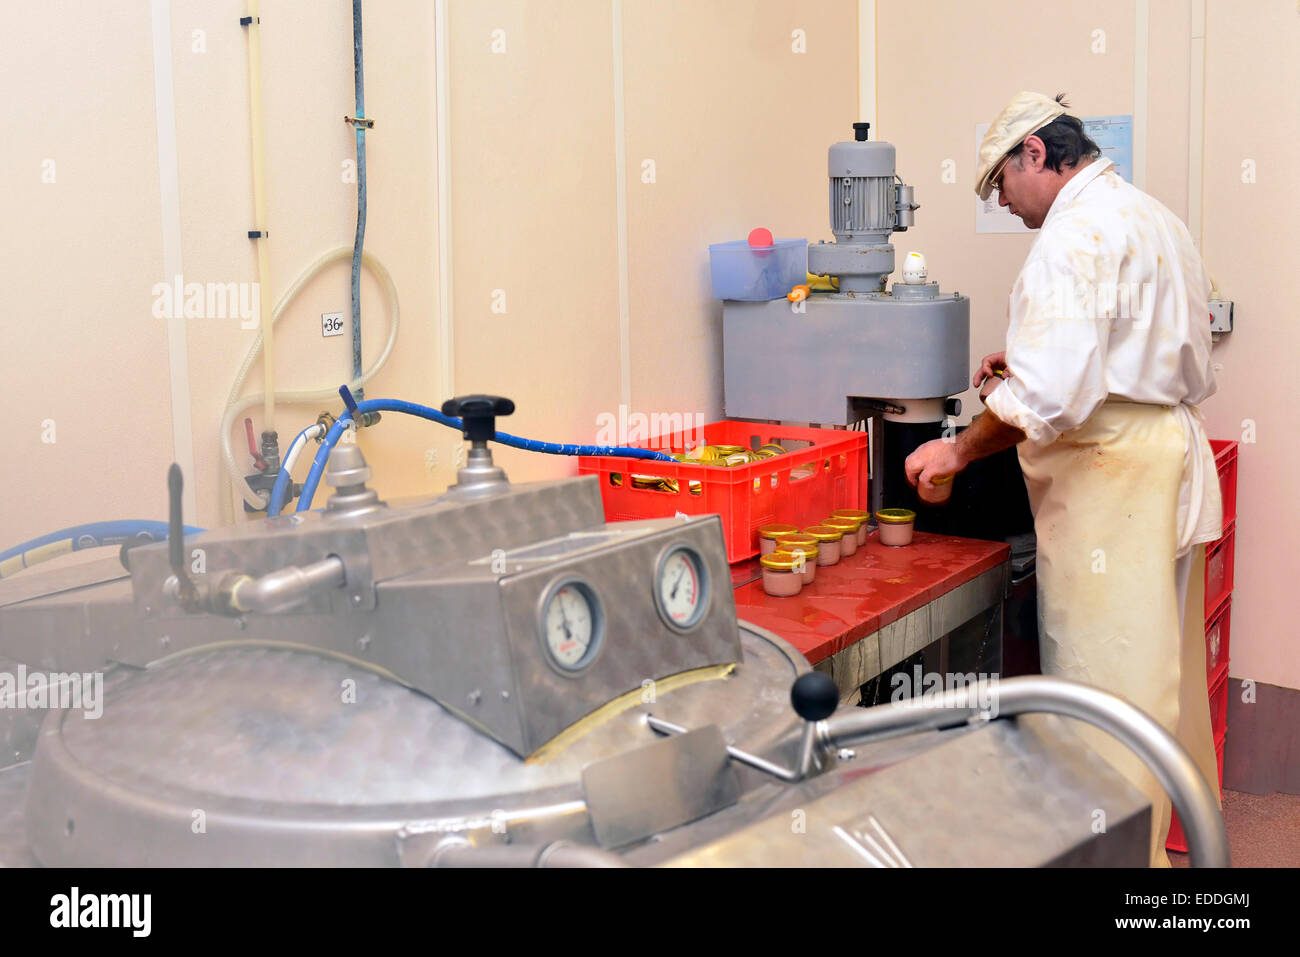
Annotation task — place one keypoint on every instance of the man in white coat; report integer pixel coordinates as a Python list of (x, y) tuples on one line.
[(1108, 354)]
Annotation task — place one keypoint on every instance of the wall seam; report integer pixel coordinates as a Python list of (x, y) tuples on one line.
[(1196, 129), (620, 194), (867, 64), (169, 191), (1141, 90), (446, 327)]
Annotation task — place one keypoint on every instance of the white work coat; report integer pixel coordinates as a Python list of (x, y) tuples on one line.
[(1109, 350), (1112, 302)]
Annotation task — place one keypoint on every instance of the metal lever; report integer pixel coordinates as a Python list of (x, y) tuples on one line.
[(744, 757), (187, 593), (814, 697)]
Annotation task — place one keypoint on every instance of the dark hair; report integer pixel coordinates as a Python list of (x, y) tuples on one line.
[(1065, 141)]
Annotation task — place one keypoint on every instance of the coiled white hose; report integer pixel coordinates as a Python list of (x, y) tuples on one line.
[(236, 406)]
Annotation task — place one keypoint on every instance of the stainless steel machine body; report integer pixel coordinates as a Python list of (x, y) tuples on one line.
[(498, 678)]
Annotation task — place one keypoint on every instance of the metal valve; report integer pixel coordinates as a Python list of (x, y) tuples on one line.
[(478, 415)]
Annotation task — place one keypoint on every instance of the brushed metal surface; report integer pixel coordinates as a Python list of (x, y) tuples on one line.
[(638, 648), (285, 770), (1021, 793), (377, 546), (30, 585), (660, 786)]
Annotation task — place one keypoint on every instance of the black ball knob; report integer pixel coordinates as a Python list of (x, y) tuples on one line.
[(814, 696)]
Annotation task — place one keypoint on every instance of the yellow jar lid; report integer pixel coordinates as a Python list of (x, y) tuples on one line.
[(895, 516), (824, 533), (808, 551), (798, 539), (781, 561), (857, 513), (775, 532), (843, 523)]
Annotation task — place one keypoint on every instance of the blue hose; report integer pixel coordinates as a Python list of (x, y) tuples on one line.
[(283, 479), (424, 412), (79, 537)]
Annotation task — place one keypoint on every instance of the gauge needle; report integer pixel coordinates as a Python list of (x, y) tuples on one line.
[(564, 618), (680, 574)]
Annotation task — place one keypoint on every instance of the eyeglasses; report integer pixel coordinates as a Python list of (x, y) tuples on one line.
[(995, 180)]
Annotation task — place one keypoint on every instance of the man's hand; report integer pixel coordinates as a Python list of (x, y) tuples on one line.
[(932, 460), (993, 364)]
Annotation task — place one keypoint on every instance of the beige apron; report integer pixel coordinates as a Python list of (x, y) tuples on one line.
[(1105, 498)]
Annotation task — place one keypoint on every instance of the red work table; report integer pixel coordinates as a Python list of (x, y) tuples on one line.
[(883, 604)]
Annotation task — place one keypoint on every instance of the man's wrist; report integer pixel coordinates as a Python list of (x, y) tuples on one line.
[(961, 448)]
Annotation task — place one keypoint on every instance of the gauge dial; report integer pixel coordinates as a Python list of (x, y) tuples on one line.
[(570, 626), (682, 588)]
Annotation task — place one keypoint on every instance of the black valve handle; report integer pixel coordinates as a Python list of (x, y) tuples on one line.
[(478, 414), (814, 696), (187, 593)]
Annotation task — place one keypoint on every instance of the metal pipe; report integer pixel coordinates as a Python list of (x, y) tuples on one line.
[(254, 25), (460, 853), (1168, 760), (360, 239), (284, 588)]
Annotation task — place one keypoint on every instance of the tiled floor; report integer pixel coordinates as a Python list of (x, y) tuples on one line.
[(1263, 830)]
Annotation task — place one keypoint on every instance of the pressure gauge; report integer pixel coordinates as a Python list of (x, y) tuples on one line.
[(572, 625), (682, 588)]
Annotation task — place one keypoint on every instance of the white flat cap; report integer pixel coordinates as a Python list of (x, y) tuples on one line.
[(1026, 114)]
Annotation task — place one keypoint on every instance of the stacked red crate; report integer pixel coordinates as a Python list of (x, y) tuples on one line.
[(1219, 558)]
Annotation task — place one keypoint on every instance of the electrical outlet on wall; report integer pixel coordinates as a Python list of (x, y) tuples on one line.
[(1220, 315)]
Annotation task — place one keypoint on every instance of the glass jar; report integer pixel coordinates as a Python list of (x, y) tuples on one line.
[(941, 493), (848, 527), (809, 554), (769, 535), (799, 538), (782, 574), (896, 525), (859, 514), (828, 543)]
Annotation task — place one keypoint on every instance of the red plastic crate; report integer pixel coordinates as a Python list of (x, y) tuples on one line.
[(1177, 841), (1218, 569), (1217, 633), (1219, 701), (1225, 460), (829, 469)]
